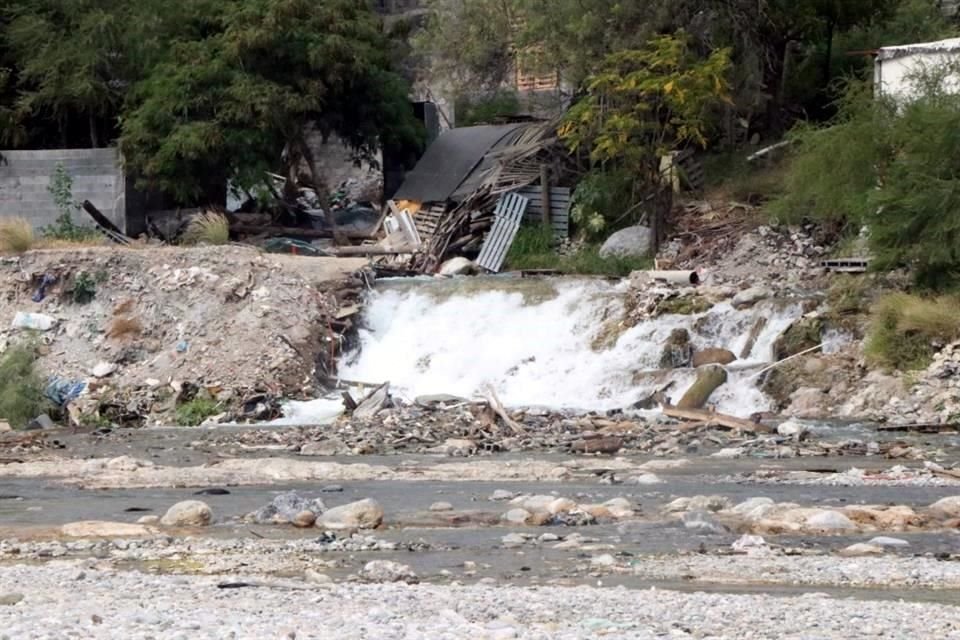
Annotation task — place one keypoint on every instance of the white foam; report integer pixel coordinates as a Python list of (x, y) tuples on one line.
[(536, 348)]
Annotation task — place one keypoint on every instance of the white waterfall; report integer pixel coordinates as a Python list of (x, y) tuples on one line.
[(535, 342)]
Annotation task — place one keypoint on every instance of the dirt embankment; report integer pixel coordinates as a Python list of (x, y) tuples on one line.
[(145, 330)]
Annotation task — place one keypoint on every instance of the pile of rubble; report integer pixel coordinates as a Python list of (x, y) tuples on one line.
[(126, 336)]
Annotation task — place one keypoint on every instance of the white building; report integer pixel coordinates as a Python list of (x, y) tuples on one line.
[(896, 67)]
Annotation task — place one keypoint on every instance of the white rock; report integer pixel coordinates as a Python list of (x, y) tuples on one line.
[(513, 540), (949, 507), (748, 542), (148, 520), (793, 429), (634, 241), (750, 504), (561, 505), (441, 506), (516, 516), (729, 453), (860, 549), (387, 571), (884, 541), (5, 426), (103, 369), (606, 560), (830, 521), (363, 514), (189, 513), (645, 478), (502, 494), (458, 266)]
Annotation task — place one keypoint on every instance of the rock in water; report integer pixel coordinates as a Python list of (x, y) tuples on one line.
[(284, 508), (364, 514), (388, 571), (860, 549), (630, 242), (304, 519), (189, 513), (712, 356), (678, 352)]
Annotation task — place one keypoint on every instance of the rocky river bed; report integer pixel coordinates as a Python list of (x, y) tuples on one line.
[(233, 532)]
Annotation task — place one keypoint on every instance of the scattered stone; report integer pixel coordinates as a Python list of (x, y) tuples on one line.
[(189, 513), (286, 507), (747, 542), (949, 507), (861, 549), (750, 297), (516, 516), (501, 494), (304, 519), (325, 448), (10, 599), (793, 429), (441, 506), (645, 479), (149, 520), (388, 571), (700, 523), (884, 541), (513, 540), (698, 503), (605, 560), (363, 514), (5, 426), (830, 521), (103, 369), (100, 529)]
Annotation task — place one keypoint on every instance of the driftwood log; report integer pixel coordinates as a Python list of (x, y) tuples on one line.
[(708, 379)]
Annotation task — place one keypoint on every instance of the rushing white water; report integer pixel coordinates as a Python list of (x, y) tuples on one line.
[(534, 341)]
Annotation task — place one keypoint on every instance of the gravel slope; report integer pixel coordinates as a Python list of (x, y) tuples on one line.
[(73, 600)]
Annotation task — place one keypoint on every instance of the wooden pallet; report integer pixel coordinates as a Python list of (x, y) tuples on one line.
[(428, 220)]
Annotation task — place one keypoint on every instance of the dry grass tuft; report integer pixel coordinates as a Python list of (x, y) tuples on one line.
[(126, 306), (124, 327), (16, 235), (906, 330), (208, 228)]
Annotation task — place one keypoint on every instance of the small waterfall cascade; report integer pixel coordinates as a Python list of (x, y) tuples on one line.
[(541, 342)]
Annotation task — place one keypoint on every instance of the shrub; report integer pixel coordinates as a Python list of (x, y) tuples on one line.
[(194, 412), (64, 228), (208, 228), (906, 329), (84, 288), (534, 248), (16, 235), (21, 389)]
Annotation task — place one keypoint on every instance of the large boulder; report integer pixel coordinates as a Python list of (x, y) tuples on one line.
[(458, 266), (947, 507), (632, 242), (189, 513), (363, 514), (712, 356), (285, 508)]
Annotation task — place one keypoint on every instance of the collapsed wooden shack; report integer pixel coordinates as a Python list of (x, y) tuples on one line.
[(473, 176)]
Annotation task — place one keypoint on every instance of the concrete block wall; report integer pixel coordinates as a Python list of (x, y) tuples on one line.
[(97, 176)]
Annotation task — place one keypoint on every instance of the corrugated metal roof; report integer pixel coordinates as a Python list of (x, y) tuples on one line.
[(940, 46), (450, 160)]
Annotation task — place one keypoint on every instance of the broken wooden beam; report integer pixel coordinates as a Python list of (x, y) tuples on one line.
[(719, 419)]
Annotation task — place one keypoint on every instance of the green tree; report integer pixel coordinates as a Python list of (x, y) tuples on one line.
[(645, 103), (232, 96), (71, 59)]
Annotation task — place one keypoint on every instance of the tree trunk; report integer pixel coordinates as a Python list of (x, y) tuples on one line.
[(320, 188), (708, 379), (827, 61)]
